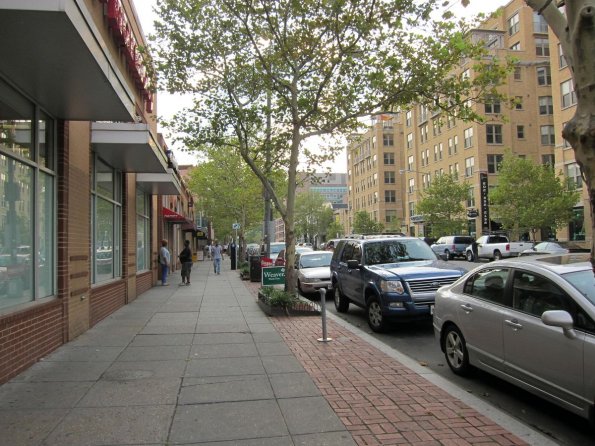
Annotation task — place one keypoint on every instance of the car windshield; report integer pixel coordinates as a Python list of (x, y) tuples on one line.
[(584, 281), (276, 248), (395, 251), (316, 261)]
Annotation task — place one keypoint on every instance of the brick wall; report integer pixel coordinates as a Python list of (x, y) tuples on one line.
[(28, 335), (144, 282), (107, 299)]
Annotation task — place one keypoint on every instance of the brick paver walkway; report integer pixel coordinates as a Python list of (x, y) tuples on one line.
[(381, 401)]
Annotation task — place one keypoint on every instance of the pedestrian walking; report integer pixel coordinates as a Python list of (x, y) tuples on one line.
[(186, 261), (164, 260), (217, 251)]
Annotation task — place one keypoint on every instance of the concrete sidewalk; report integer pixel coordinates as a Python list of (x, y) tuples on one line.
[(202, 365)]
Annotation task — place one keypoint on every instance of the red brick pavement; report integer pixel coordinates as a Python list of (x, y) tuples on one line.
[(380, 401)]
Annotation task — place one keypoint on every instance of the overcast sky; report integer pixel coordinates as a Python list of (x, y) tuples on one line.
[(168, 105)]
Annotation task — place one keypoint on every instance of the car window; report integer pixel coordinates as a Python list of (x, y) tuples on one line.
[(489, 284), (535, 294), (357, 253), (441, 241), (347, 252), (463, 240), (394, 251), (315, 261)]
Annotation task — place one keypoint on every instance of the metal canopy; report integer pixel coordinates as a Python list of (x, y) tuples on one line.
[(53, 52)]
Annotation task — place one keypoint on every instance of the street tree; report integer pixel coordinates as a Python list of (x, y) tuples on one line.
[(443, 205), (227, 192), (363, 224), (334, 230), (308, 213), (530, 197), (269, 76)]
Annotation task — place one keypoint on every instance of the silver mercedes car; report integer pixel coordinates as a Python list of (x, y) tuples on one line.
[(527, 320)]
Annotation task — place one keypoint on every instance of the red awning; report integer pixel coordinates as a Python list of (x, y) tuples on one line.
[(173, 217)]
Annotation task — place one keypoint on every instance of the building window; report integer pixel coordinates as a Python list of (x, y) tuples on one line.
[(389, 177), (548, 137), (408, 118), (388, 139), (494, 163), (515, 46), (471, 198), (411, 185), (492, 106), (548, 160), (143, 231), (450, 146), (539, 24), (469, 166), (456, 169), (574, 176), (520, 131), (423, 113), (455, 145), (106, 220), (423, 133), (518, 74), (435, 152), (410, 162), (440, 150), (390, 196), (494, 134), (542, 47), (562, 62), (513, 24), (450, 121), (565, 144), (423, 158), (390, 216), (27, 216), (389, 158), (409, 140), (568, 94), (468, 135), (544, 76), (546, 105), (436, 127)]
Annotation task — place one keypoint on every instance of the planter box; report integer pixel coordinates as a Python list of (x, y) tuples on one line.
[(301, 308), (245, 276)]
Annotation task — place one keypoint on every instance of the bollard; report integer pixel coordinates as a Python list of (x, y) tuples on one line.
[(324, 337)]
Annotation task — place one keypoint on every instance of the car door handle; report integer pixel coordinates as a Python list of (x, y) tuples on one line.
[(513, 323), (467, 308)]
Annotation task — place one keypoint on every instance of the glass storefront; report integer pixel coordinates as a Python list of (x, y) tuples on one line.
[(27, 191), (143, 231), (106, 221)]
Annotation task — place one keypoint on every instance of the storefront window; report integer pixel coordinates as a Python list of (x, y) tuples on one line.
[(143, 242), (106, 222), (577, 224), (27, 203)]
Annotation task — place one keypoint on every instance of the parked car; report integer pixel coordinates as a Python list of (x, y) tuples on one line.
[(527, 320), (429, 240), (452, 245), (280, 260), (313, 271), (394, 277), (495, 247), (276, 248), (553, 248)]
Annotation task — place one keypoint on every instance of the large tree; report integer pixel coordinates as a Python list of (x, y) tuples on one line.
[(443, 205), (269, 75), (363, 224), (576, 31), (530, 197)]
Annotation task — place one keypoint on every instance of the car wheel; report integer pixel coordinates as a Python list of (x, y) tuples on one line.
[(376, 319), (455, 351), (469, 256), (341, 302), (497, 255), (448, 255)]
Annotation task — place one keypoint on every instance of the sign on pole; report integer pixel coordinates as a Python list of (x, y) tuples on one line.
[(235, 226)]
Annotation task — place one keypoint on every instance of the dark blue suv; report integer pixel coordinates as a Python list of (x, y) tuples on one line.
[(392, 277)]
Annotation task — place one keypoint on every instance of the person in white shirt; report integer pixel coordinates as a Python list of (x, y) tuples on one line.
[(164, 260), (217, 251)]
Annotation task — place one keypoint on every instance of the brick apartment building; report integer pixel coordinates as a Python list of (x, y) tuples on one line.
[(88, 187), (390, 165)]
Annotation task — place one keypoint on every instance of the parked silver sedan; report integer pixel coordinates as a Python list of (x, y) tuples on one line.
[(528, 320), (314, 271)]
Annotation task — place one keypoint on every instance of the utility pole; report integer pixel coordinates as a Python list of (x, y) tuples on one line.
[(267, 201)]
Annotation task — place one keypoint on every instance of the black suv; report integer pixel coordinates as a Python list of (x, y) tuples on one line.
[(394, 277)]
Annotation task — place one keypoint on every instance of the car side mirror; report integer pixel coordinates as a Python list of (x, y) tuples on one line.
[(562, 319), (352, 264)]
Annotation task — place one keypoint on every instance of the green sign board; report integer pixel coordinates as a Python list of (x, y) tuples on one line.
[(273, 275)]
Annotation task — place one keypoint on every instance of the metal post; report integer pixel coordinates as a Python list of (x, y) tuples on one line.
[(324, 337)]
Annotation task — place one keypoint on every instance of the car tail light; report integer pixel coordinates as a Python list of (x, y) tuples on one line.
[(508, 247), (453, 248)]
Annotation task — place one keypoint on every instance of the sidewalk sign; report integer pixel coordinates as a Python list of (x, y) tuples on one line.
[(273, 275)]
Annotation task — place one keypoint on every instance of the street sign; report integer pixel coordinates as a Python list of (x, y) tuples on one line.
[(273, 275), (235, 226)]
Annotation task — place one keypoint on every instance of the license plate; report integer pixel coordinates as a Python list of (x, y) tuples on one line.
[(431, 309)]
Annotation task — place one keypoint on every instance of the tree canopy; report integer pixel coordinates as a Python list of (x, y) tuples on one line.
[(443, 205), (363, 224), (267, 76), (530, 197)]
